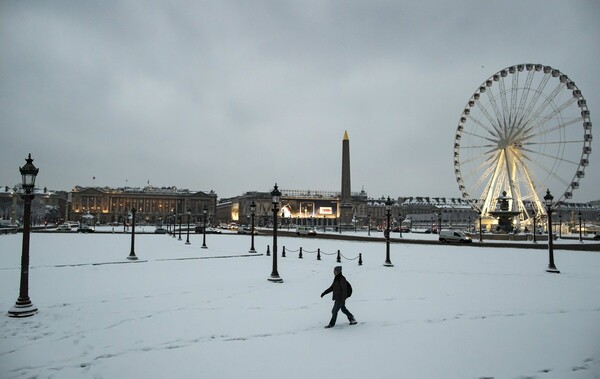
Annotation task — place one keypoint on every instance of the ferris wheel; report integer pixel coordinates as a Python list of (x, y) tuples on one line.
[(525, 129)]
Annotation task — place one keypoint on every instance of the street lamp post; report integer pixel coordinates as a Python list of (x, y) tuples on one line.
[(580, 235), (173, 224), (480, 228), (187, 241), (400, 227), (369, 227), (204, 213), (534, 226), (388, 213), (252, 213), (560, 225), (439, 216), (23, 306), (132, 256), (275, 197), (548, 202), (179, 237)]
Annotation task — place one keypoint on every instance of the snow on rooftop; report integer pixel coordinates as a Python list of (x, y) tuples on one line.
[(187, 312)]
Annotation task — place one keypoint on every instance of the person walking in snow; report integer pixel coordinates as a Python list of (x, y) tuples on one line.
[(341, 292)]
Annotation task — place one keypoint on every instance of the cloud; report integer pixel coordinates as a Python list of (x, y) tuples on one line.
[(233, 96)]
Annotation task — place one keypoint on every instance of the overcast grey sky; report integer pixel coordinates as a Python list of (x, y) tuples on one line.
[(237, 95)]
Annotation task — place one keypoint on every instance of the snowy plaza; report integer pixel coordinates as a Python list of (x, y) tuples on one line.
[(442, 311)]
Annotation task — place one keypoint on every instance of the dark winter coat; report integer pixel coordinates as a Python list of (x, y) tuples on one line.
[(339, 287)]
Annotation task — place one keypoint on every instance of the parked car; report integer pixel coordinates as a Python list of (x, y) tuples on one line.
[(209, 229), (454, 236), (73, 224), (8, 229), (63, 228), (306, 231), (597, 236), (160, 230), (244, 229), (85, 229)]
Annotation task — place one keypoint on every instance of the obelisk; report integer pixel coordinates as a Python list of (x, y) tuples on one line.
[(346, 197)]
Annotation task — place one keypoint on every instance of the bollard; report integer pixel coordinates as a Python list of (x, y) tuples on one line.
[(339, 258), (318, 254), (283, 252), (268, 251), (300, 255), (360, 259)]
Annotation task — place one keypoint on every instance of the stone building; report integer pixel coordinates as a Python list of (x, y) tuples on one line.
[(425, 212), (47, 205), (298, 207), (153, 204)]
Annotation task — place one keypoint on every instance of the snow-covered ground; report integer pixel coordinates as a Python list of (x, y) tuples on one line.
[(186, 312)]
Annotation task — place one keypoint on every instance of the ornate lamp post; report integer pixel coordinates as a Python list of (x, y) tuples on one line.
[(189, 212), (252, 213), (560, 225), (400, 228), (204, 213), (480, 228), (388, 213), (23, 307), (173, 224), (439, 215), (179, 237), (534, 225), (275, 197), (548, 202), (132, 256), (580, 235)]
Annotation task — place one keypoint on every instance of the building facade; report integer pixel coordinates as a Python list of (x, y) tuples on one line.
[(297, 207), (46, 207), (426, 212), (153, 205)]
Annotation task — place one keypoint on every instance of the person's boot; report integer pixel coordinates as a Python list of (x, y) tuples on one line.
[(352, 321)]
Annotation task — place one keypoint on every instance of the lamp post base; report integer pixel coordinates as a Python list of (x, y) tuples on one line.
[(388, 264), (204, 247), (187, 243), (252, 251), (132, 258), (22, 310), (275, 279), (553, 270)]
